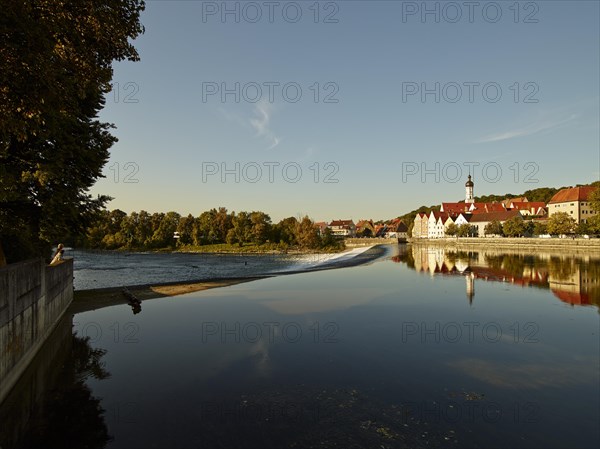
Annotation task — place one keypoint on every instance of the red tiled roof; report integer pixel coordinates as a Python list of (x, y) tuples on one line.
[(491, 216), (488, 207), (454, 207), (528, 204), (364, 222), (341, 223), (442, 215), (572, 194)]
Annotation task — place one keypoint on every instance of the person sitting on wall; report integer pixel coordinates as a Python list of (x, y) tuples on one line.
[(58, 256)]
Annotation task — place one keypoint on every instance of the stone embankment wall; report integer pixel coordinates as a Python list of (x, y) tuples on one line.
[(530, 244), (33, 298)]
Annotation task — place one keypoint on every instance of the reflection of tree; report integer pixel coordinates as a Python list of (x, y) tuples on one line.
[(463, 256), (406, 257), (561, 269), (69, 416)]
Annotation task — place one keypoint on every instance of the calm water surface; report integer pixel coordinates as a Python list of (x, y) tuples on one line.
[(420, 348)]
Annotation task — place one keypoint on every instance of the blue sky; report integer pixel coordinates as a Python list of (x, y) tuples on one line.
[(341, 100)]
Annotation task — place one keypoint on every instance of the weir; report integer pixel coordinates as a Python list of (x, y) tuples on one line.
[(33, 299)]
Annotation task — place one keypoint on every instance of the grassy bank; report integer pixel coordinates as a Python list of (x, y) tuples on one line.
[(252, 248)]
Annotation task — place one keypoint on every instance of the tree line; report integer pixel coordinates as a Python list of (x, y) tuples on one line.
[(144, 231)]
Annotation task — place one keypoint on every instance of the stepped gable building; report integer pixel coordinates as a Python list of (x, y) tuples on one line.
[(434, 224), (574, 201)]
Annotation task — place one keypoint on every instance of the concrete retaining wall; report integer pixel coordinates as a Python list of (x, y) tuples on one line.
[(530, 244), (33, 298)]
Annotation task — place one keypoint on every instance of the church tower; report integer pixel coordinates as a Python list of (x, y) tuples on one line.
[(469, 191)]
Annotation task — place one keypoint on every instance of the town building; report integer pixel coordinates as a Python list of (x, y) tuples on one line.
[(480, 221), (365, 228), (574, 201), (343, 228), (321, 226)]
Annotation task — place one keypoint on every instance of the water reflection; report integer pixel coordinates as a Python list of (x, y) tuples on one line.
[(574, 279), (52, 405)]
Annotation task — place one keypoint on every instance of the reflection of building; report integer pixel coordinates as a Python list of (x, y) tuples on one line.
[(574, 201), (575, 286), (470, 278), (574, 280)]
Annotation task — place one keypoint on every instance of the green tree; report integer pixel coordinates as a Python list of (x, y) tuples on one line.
[(465, 230), (55, 71), (540, 228), (494, 227), (583, 228), (185, 228), (241, 230), (328, 239), (452, 229), (285, 231), (261, 227), (205, 229), (595, 198), (307, 234), (513, 227), (561, 223), (222, 224), (163, 234), (594, 224), (529, 228)]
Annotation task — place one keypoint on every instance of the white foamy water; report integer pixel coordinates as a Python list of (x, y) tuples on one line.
[(105, 269)]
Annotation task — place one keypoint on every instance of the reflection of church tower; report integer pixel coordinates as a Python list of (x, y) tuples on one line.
[(469, 191), (470, 278)]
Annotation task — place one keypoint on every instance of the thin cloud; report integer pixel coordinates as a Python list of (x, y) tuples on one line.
[(532, 128), (261, 124)]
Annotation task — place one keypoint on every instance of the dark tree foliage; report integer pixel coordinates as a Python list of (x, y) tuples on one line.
[(141, 231), (55, 69)]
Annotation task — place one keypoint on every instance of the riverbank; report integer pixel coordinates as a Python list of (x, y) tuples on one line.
[(525, 244), (87, 300), (92, 299)]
